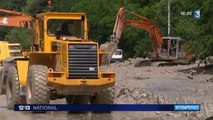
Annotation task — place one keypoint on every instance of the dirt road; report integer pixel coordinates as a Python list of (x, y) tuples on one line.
[(164, 85)]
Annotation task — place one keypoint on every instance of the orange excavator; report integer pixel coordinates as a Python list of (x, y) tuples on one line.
[(17, 19), (168, 49), (22, 20)]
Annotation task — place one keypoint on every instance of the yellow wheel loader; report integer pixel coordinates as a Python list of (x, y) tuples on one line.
[(62, 63), (8, 52)]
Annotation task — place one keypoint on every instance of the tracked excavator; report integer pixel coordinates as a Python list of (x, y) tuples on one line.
[(167, 50), (62, 62)]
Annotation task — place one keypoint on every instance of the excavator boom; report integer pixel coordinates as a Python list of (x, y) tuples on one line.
[(15, 19), (143, 23), (119, 24), (155, 34)]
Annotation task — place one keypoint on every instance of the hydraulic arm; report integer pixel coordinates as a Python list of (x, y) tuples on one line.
[(142, 23), (15, 19)]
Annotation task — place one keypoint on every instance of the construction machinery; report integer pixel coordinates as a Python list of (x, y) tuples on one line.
[(8, 51), (169, 49), (117, 56), (62, 62)]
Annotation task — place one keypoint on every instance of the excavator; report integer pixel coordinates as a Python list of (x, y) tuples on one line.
[(168, 50)]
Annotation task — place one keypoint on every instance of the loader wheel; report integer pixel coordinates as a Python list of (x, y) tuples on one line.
[(105, 96), (69, 99), (37, 91), (13, 89), (2, 82), (77, 99), (81, 99)]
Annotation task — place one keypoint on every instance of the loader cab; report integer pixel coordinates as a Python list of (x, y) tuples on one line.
[(60, 26), (173, 47), (65, 28)]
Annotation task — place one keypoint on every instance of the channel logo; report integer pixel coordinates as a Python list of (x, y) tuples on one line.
[(197, 14), (187, 107)]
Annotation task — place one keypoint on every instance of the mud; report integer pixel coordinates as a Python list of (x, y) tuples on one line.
[(141, 85)]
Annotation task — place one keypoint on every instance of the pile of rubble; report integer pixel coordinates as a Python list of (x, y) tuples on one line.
[(134, 96)]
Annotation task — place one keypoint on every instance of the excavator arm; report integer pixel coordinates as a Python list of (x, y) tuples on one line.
[(142, 23), (155, 34), (15, 19), (21, 20)]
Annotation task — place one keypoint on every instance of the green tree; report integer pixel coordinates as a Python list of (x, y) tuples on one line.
[(102, 15), (20, 35), (10, 5)]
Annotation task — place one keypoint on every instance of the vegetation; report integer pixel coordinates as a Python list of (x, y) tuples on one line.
[(102, 15)]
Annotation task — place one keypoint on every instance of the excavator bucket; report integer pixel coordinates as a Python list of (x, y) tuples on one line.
[(109, 48)]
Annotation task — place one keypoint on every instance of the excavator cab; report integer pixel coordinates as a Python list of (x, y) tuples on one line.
[(172, 48)]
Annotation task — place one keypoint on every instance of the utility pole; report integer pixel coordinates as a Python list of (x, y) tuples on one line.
[(169, 24)]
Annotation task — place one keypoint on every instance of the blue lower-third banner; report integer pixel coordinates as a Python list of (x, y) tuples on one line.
[(107, 107)]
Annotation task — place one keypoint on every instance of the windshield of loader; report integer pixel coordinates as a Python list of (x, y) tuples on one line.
[(64, 27)]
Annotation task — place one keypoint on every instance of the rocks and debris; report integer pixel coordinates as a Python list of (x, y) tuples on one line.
[(190, 76), (153, 85), (173, 114), (193, 72), (174, 80), (136, 95), (209, 79), (141, 78)]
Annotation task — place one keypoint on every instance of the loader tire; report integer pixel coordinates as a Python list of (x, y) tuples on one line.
[(69, 99), (81, 99), (105, 96), (13, 89), (77, 99), (37, 91), (2, 81)]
